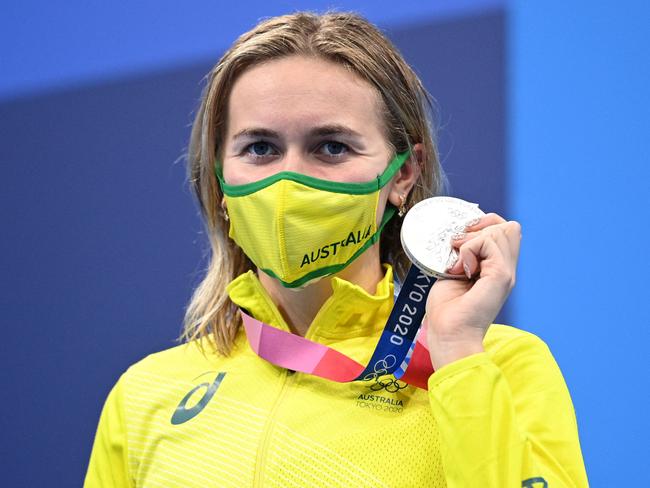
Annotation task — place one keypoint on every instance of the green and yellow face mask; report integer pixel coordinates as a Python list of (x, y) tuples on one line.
[(297, 228)]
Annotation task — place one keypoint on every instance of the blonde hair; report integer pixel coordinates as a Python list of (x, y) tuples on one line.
[(346, 39)]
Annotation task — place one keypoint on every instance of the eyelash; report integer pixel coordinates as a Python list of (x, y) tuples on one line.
[(248, 149)]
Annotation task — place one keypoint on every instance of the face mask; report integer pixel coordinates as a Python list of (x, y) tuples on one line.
[(298, 229)]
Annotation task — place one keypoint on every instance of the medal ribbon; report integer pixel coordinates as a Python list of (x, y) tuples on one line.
[(398, 351)]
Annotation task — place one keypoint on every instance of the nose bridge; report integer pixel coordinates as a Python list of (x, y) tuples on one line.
[(294, 159)]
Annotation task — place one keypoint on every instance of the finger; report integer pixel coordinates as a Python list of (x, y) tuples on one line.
[(468, 262), (507, 236), (513, 232), (461, 238), (502, 240), (485, 221), (470, 265), (492, 252), (457, 268), (491, 247)]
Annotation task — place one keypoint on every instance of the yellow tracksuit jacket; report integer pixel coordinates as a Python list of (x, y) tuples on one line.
[(180, 418)]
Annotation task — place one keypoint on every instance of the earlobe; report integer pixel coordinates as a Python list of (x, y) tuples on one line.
[(402, 206), (224, 209)]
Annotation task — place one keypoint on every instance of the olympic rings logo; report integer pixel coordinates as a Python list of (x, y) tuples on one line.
[(391, 385), (381, 368)]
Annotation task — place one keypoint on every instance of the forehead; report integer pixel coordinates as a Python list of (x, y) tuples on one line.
[(298, 91)]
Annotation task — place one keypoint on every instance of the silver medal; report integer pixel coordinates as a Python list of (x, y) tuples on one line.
[(428, 229)]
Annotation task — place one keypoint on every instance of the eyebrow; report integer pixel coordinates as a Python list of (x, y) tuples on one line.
[(324, 130)]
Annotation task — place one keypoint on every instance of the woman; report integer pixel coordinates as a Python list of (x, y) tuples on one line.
[(313, 128)]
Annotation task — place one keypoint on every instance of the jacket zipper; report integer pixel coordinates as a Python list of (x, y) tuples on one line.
[(262, 453)]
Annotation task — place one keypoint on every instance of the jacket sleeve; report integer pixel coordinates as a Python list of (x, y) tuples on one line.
[(506, 419), (108, 461)]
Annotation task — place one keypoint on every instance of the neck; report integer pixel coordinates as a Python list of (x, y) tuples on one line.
[(300, 306)]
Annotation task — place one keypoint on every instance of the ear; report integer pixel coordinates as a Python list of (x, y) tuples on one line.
[(406, 177)]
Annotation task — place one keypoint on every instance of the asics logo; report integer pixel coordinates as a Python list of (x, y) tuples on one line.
[(182, 414)]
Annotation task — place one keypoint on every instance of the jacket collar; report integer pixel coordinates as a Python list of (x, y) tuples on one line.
[(350, 312)]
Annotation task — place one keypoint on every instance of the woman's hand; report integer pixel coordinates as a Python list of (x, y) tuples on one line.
[(459, 312)]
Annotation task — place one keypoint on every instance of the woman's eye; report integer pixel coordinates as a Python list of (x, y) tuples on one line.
[(334, 148), (260, 149)]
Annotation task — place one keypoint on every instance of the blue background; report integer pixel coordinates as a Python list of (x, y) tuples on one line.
[(543, 114)]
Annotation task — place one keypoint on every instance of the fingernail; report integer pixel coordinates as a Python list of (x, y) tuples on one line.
[(473, 222), (457, 236), (468, 273)]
